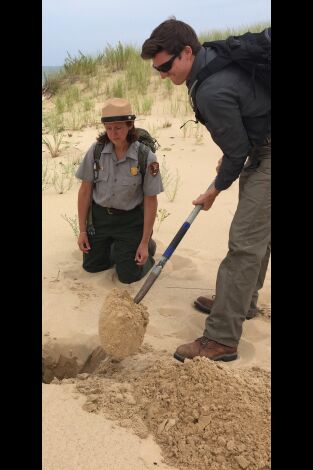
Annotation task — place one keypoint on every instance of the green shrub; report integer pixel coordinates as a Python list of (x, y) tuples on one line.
[(118, 89), (54, 145), (73, 222), (81, 66), (117, 58), (217, 34)]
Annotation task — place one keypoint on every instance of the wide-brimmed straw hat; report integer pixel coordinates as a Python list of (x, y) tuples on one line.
[(117, 109)]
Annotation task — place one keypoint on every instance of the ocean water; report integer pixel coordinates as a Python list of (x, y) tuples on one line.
[(48, 70)]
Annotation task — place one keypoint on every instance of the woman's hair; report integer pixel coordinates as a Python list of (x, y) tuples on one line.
[(131, 137), (170, 36)]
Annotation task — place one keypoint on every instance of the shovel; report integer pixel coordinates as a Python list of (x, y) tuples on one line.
[(156, 270)]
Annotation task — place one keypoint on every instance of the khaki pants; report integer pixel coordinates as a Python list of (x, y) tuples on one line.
[(241, 274)]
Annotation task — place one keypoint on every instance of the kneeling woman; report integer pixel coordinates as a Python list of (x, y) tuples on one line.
[(123, 206)]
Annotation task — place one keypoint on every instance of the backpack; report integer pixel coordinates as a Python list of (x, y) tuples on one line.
[(251, 51), (147, 143)]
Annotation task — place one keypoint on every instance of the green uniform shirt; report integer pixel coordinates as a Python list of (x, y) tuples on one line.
[(119, 184)]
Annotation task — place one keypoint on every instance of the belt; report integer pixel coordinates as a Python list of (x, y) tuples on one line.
[(112, 210), (255, 150)]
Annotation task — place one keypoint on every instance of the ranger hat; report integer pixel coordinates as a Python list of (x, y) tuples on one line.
[(117, 109)]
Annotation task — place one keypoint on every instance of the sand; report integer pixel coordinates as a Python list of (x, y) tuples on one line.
[(195, 411), (148, 410), (122, 324)]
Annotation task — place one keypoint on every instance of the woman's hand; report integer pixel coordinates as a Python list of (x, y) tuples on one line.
[(83, 242), (142, 254)]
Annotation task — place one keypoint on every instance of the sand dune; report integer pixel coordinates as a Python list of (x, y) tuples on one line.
[(74, 438)]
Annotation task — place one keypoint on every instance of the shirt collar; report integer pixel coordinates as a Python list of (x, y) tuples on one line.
[(132, 151), (203, 57)]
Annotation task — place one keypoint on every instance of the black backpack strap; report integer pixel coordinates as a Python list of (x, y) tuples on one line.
[(143, 153), (218, 63), (96, 166), (96, 158)]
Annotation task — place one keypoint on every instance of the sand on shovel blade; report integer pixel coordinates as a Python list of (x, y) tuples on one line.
[(122, 324)]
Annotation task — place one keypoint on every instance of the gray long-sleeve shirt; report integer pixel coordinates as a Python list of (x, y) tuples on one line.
[(236, 112)]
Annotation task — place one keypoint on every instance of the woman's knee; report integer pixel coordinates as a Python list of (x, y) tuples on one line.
[(128, 275), (95, 269), (91, 267)]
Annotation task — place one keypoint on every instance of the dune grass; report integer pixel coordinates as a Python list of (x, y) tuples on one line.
[(54, 146), (73, 222), (77, 91), (216, 34)]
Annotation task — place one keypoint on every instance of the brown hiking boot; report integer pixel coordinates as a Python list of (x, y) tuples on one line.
[(208, 348), (252, 312), (204, 304)]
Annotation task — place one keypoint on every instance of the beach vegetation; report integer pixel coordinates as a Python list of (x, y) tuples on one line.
[(168, 85), (118, 89), (83, 65), (166, 124), (52, 122), (54, 143), (161, 215), (171, 182), (217, 34), (62, 180), (45, 175), (73, 223), (117, 58), (85, 81)]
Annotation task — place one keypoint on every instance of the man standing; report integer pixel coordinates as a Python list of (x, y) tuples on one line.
[(236, 110)]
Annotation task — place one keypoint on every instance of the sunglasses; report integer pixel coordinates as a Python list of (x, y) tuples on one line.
[(166, 66)]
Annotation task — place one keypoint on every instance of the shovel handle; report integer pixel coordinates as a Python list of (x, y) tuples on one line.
[(156, 270), (183, 229)]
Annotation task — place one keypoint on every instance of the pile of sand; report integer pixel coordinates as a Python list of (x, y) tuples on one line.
[(203, 414), (122, 324)]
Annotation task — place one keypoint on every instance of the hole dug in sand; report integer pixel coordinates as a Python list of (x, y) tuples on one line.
[(63, 361), (122, 324)]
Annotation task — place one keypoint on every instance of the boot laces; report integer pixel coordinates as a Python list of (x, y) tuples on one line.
[(203, 340)]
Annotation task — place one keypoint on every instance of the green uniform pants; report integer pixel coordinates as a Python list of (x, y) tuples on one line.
[(241, 274), (117, 237)]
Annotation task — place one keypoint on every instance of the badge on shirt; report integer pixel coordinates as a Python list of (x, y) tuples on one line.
[(134, 171), (154, 168)]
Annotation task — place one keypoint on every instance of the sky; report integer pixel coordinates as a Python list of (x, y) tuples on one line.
[(90, 25)]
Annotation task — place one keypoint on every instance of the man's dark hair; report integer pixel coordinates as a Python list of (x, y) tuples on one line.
[(170, 36)]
